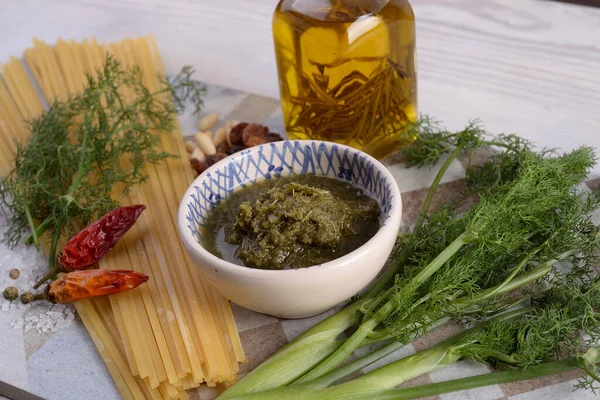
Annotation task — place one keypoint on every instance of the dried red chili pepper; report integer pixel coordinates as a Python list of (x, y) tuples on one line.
[(96, 240), (79, 285)]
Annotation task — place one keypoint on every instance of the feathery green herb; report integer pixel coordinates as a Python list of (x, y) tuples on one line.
[(505, 221), (430, 144), (82, 149)]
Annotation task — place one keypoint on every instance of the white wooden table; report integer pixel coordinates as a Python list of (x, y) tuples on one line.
[(524, 66)]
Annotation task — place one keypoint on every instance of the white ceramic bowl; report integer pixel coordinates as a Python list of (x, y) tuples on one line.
[(294, 293)]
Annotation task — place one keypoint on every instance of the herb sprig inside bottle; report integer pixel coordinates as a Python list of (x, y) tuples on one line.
[(347, 71)]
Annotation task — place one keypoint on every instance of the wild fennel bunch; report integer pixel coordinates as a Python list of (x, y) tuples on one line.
[(82, 149), (509, 221)]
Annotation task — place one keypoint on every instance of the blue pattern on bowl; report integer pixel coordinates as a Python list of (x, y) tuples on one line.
[(249, 166)]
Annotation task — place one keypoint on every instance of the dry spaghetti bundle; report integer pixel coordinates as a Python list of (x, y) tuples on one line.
[(176, 332)]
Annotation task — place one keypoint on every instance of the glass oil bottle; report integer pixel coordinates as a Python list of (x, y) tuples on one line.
[(347, 71)]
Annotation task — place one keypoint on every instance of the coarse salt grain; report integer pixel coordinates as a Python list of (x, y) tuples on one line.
[(32, 265)]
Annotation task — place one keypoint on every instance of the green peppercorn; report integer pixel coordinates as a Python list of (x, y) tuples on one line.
[(11, 293), (26, 298)]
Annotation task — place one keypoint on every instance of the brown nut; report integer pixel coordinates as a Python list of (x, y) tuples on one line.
[(234, 149), (252, 131), (214, 158), (255, 141), (199, 166), (235, 134), (14, 273), (273, 137), (222, 147)]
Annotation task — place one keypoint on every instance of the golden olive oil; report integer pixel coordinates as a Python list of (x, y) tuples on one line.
[(347, 71)]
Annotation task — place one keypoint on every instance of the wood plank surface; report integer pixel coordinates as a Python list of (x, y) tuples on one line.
[(526, 66)]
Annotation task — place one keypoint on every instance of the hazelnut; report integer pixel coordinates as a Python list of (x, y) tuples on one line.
[(235, 134), (273, 137), (255, 141), (267, 138), (214, 158), (252, 131), (222, 147), (199, 166), (234, 149)]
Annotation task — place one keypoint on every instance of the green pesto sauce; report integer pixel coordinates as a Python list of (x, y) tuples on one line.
[(291, 222)]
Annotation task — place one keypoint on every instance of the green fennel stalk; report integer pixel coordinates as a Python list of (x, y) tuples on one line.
[(369, 326), (556, 322), (388, 376), (465, 305), (495, 378), (472, 382)]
